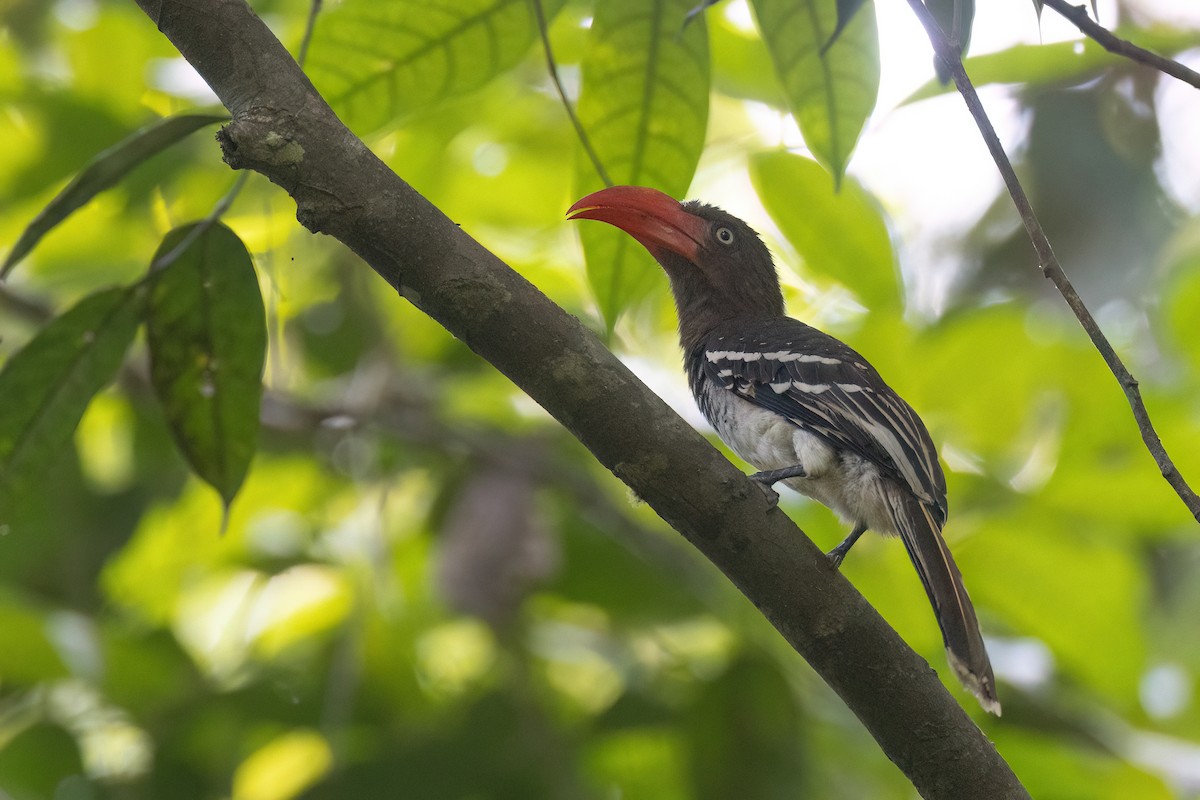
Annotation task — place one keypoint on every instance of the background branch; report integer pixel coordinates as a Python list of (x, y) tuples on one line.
[(344, 190), (1050, 266), (1078, 16)]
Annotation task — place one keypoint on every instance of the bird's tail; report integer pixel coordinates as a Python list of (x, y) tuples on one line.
[(943, 583)]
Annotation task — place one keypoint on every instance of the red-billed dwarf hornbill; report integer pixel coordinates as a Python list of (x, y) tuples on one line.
[(798, 404)]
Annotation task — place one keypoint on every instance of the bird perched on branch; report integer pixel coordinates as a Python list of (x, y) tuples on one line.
[(798, 404)]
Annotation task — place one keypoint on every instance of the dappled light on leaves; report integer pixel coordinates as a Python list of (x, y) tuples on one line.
[(425, 585), (283, 768)]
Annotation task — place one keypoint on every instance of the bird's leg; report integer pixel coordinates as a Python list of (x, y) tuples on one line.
[(772, 476), (768, 478), (837, 554)]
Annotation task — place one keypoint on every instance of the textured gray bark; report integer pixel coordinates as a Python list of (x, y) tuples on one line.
[(283, 129)]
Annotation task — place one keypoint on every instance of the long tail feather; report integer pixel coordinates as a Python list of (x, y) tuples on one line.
[(943, 583)]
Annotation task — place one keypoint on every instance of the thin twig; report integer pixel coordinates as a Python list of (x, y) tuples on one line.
[(222, 206), (1078, 16), (309, 27), (1051, 268), (562, 93)]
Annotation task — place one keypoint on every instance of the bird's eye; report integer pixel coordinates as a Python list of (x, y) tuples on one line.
[(724, 235)]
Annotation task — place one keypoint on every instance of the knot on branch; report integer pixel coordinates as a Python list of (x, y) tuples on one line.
[(258, 141)]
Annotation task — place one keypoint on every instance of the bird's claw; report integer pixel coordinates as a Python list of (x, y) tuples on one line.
[(771, 495), (838, 554), (768, 478)]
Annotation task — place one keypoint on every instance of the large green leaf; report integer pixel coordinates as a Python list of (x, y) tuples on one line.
[(207, 333), (841, 235), (376, 59), (60, 131), (644, 105), (831, 93), (1057, 63), (103, 172), (46, 386)]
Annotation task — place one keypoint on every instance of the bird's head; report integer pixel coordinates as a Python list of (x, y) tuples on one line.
[(719, 268)]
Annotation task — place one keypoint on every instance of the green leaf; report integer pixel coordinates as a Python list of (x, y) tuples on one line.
[(103, 172), (841, 235), (1058, 63), (644, 105), (65, 129), (207, 333), (830, 94), (374, 60), (741, 65), (47, 385)]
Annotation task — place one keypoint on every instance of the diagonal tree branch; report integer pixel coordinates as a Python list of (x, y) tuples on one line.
[(1078, 16), (282, 128), (1051, 268)]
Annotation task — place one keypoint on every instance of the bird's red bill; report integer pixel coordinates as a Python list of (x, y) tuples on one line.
[(655, 219)]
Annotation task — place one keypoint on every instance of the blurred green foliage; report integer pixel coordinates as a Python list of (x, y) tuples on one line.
[(426, 588)]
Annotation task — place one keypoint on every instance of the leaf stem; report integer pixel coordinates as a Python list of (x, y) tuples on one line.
[(552, 65)]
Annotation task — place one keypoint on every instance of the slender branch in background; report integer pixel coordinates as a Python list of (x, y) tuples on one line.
[(222, 206), (1078, 16), (1050, 266), (309, 27), (562, 93)]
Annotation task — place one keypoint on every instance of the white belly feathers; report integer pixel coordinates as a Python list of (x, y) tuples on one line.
[(844, 482)]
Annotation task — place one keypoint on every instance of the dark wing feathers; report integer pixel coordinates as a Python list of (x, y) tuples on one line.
[(830, 390)]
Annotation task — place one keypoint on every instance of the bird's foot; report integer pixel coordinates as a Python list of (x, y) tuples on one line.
[(770, 493), (768, 478), (771, 477), (838, 554)]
